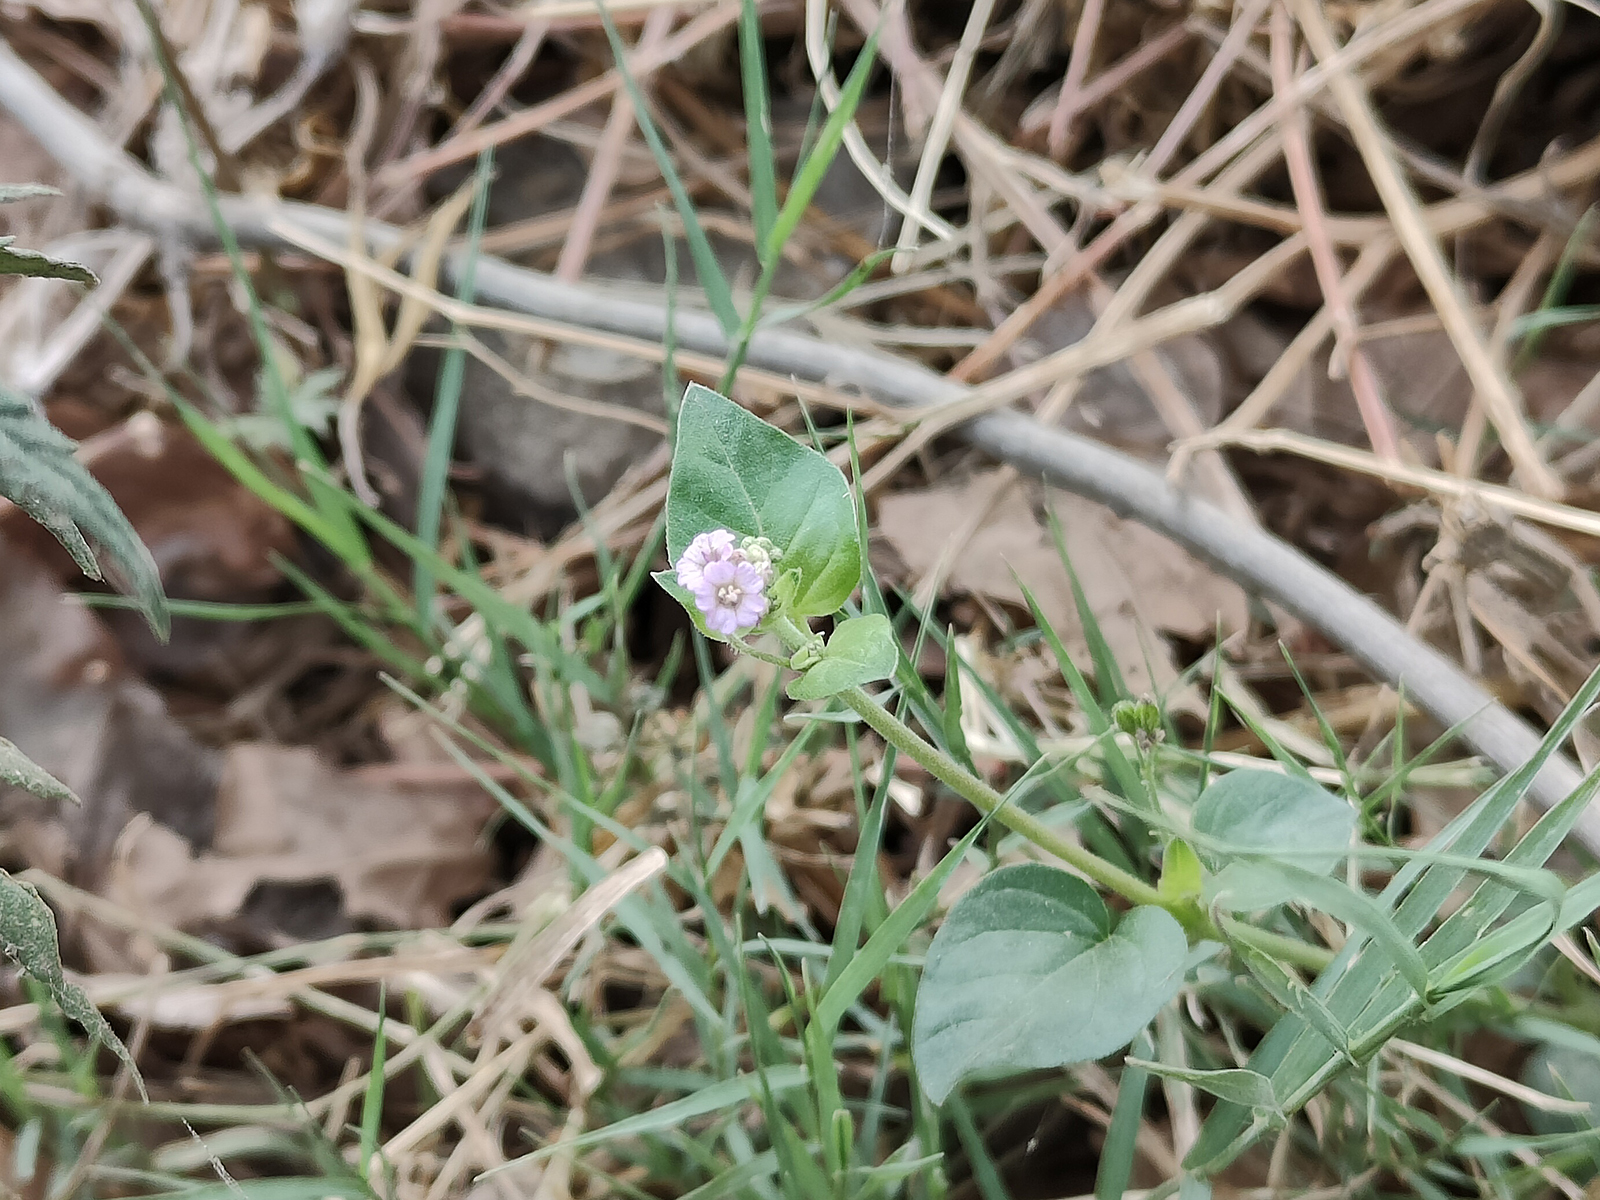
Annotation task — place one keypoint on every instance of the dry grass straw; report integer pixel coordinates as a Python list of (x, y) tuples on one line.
[(1013, 191)]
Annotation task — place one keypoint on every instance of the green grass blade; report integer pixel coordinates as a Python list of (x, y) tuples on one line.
[(858, 275), (984, 1171), (1560, 284), (1330, 739), (801, 192), (372, 1102), (1293, 1054), (809, 177), (954, 737), (348, 541), (1124, 775), (713, 281), (447, 397), (1116, 1155), (863, 884), (887, 939), (206, 610), (716, 1097), (757, 122)]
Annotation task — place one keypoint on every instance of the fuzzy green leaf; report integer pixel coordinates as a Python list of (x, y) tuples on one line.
[(731, 470), (1028, 972), (862, 650), (40, 475)]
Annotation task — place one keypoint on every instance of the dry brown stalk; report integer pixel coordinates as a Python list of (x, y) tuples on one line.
[(1426, 479), (1514, 300), (1387, 36), (1205, 88), (607, 160), (1070, 100), (1119, 75), (1498, 394), (515, 66), (1299, 353), (1347, 353), (944, 117), (531, 120)]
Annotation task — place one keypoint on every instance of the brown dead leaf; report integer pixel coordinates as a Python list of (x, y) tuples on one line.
[(68, 700), (1137, 583), (394, 854)]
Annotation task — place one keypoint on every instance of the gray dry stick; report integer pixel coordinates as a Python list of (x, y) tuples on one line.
[(1250, 556)]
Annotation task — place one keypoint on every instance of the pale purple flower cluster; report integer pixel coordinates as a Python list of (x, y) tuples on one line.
[(729, 579)]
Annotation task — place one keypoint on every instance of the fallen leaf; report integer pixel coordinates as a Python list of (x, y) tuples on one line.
[(1137, 583), (393, 854), (70, 704)]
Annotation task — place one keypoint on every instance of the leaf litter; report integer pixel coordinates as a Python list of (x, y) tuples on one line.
[(360, 835)]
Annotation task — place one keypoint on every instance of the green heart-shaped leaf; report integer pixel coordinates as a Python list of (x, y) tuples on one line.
[(1028, 972)]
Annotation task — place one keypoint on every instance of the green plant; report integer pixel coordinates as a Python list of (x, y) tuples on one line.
[(774, 223), (39, 474), (1031, 969)]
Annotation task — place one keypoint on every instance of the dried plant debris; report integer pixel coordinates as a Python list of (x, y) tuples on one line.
[(590, 905), (1137, 584), (292, 853)]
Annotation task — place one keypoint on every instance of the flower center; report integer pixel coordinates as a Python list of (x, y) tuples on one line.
[(729, 594)]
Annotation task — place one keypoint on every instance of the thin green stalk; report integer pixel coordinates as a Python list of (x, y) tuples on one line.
[(1278, 945), (979, 794), (987, 800)]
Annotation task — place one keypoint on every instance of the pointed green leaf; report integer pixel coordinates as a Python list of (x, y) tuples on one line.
[(1235, 1084), (731, 470), (17, 769), (32, 263), (28, 938)]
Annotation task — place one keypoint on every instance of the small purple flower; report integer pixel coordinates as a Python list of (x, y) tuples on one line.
[(731, 595), (707, 548)]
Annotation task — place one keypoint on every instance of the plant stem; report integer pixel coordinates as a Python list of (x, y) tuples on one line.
[(1277, 945), (989, 801)]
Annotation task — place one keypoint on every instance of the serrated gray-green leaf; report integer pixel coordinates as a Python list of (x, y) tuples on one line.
[(28, 938), (17, 769), (24, 191), (35, 265), (39, 474)]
